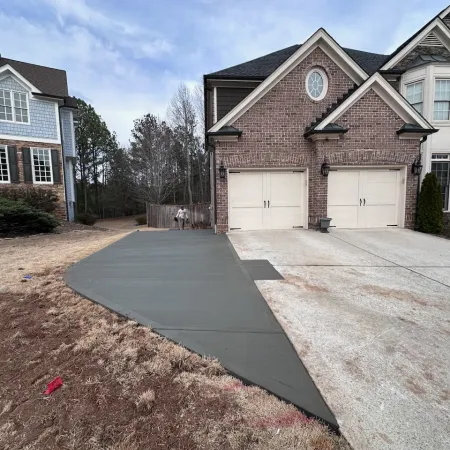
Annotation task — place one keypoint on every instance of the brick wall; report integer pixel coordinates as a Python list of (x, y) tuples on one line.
[(273, 137), (60, 211)]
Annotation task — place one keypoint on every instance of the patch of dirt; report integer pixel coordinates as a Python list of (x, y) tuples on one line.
[(125, 387), (304, 284), (395, 294)]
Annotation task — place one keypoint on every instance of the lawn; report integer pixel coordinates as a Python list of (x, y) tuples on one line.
[(125, 387)]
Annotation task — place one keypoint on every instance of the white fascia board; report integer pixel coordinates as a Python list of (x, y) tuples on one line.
[(319, 39), (22, 80), (29, 139), (445, 12), (442, 32), (396, 101)]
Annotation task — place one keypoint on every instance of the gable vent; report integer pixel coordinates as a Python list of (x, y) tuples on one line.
[(431, 41), (446, 20)]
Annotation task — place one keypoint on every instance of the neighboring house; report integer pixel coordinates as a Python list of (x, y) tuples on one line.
[(278, 123), (37, 138)]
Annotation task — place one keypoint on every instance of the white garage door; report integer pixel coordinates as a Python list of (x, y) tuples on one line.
[(266, 200), (364, 198)]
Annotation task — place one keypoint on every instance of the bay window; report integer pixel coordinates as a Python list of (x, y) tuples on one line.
[(442, 100), (440, 166), (414, 95)]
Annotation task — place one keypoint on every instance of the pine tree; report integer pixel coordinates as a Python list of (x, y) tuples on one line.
[(430, 218)]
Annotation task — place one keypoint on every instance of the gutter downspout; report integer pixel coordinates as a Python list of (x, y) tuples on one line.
[(421, 141), (63, 157)]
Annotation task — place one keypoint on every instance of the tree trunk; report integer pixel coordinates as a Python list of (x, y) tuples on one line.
[(189, 174)]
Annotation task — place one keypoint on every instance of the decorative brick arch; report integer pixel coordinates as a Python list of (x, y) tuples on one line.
[(262, 160), (370, 157)]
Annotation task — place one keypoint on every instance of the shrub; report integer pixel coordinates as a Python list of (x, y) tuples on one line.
[(141, 220), (40, 198), (16, 217), (430, 217), (87, 218)]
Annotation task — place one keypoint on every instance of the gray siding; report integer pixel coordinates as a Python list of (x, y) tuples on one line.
[(228, 98)]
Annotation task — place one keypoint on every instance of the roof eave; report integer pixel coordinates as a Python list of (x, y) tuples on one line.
[(312, 132)]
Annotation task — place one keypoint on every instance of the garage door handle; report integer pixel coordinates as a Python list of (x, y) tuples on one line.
[(364, 202), (264, 203), (360, 202), (268, 203)]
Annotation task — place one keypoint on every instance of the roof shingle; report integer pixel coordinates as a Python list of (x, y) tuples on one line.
[(262, 67), (47, 80)]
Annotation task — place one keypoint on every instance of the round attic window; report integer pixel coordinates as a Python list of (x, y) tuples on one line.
[(316, 84)]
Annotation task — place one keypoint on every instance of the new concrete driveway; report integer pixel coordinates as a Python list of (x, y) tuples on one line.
[(368, 311)]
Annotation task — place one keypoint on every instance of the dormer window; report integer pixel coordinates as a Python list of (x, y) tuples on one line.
[(316, 84), (14, 106)]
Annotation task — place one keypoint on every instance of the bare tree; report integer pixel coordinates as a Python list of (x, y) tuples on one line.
[(182, 115), (151, 160)]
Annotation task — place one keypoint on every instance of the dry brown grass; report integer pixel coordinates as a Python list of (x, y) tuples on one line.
[(125, 387)]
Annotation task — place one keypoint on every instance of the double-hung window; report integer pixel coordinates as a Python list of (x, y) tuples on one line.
[(442, 100), (41, 161), (414, 95), (4, 165), (14, 106), (440, 166)]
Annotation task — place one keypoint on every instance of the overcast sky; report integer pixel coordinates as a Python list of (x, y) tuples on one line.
[(126, 58)]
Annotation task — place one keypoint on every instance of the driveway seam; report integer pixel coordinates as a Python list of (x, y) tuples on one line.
[(392, 262)]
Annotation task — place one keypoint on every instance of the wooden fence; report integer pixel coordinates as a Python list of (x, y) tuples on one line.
[(161, 216)]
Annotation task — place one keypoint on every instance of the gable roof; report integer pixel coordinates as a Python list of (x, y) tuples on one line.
[(319, 39), (393, 98), (261, 68), (47, 80)]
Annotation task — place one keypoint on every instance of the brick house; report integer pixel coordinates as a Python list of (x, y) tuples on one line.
[(317, 130), (37, 137)]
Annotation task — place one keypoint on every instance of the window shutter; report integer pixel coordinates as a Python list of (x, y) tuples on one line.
[(55, 166), (13, 167), (27, 170)]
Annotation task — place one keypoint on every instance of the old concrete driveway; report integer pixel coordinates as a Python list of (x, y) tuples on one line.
[(368, 311)]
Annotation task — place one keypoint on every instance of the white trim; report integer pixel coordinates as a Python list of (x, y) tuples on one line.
[(32, 165), (319, 39), (443, 33), (5, 147), (445, 12), (29, 139), (395, 100), (72, 126), (30, 86), (324, 76), (215, 104), (13, 107), (58, 123)]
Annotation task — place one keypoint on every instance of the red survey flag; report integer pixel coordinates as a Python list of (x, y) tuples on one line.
[(53, 385)]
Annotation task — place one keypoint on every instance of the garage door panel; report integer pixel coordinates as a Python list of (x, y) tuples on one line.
[(246, 200), (343, 188), (378, 216), (363, 198), (286, 189), (343, 216)]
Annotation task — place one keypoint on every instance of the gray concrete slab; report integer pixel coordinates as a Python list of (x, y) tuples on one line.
[(402, 247), (374, 339), (261, 269), (192, 288)]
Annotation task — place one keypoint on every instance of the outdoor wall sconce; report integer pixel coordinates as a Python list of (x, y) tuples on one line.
[(222, 171), (417, 166), (325, 168)]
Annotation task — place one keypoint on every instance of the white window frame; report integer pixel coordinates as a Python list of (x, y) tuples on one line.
[(434, 99), (324, 76), (410, 83), (5, 147), (437, 160), (14, 107), (49, 150)]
